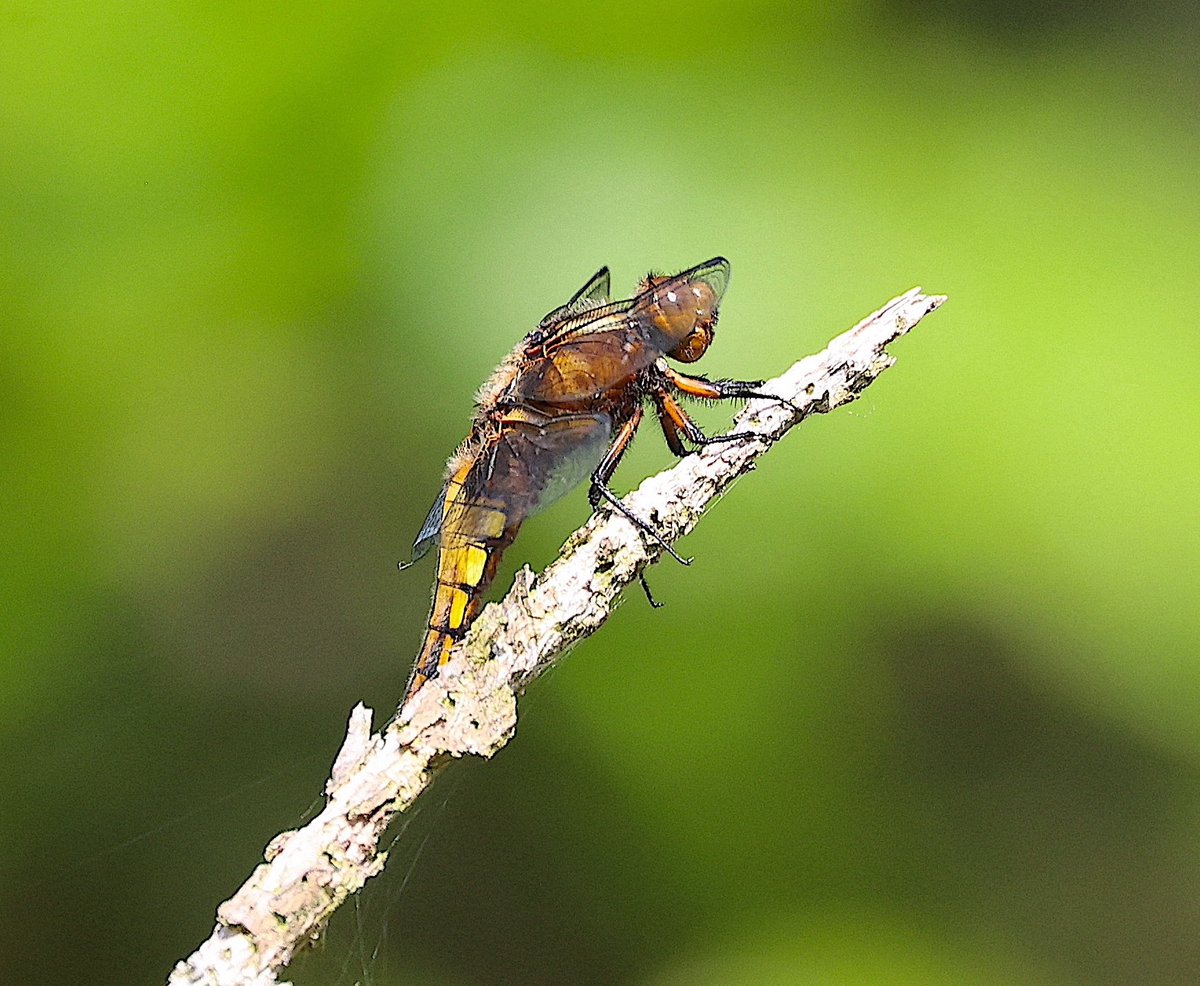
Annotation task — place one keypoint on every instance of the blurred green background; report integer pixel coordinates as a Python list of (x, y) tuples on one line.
[(925, 709)]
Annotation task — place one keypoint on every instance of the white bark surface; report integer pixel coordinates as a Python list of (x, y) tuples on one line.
[(471, 707)]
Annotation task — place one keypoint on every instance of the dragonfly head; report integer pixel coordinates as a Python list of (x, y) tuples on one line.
[(686, 313)]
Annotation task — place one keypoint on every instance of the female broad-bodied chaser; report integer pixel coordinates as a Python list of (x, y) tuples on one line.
[(562, 407)]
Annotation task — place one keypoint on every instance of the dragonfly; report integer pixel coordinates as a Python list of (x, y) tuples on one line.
[(562, 408)]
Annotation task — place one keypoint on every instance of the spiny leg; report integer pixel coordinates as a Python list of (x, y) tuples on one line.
[(722, 390), (673, 420), (675, 443), (646, 589), (604, 471), (603, 492), (678, 425)]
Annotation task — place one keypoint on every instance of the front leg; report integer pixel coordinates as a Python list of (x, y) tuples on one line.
[(721, 390), (599, 489)]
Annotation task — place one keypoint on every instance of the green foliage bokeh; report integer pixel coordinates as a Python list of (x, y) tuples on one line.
[(925, 708)]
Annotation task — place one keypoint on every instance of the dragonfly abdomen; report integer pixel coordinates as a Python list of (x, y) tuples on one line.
[(469, 549)]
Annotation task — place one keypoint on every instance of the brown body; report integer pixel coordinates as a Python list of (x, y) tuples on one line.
[(563, 407)]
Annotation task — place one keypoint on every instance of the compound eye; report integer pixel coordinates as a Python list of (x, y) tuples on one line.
[(694, 345)]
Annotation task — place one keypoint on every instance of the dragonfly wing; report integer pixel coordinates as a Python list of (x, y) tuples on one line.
[(535, 459), (541, 460), (592, 294), (428, 534)]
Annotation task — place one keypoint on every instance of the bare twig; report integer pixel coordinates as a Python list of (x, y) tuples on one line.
[(470, 708)]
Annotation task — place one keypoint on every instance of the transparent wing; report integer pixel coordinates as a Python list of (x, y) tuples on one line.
[(594, 293), (715, 273), (538, 459), (429, 531), (533, 461)]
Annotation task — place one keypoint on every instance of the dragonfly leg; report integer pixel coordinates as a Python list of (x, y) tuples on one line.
[(646, 589), (678, 425), (599, 489), (674, 421), (722, 390)]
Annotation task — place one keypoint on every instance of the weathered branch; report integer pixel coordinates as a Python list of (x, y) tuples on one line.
[(470, 708)]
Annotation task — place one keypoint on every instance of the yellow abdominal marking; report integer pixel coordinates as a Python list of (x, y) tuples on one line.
[(473, 560), (488, 522), (458, 608)]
